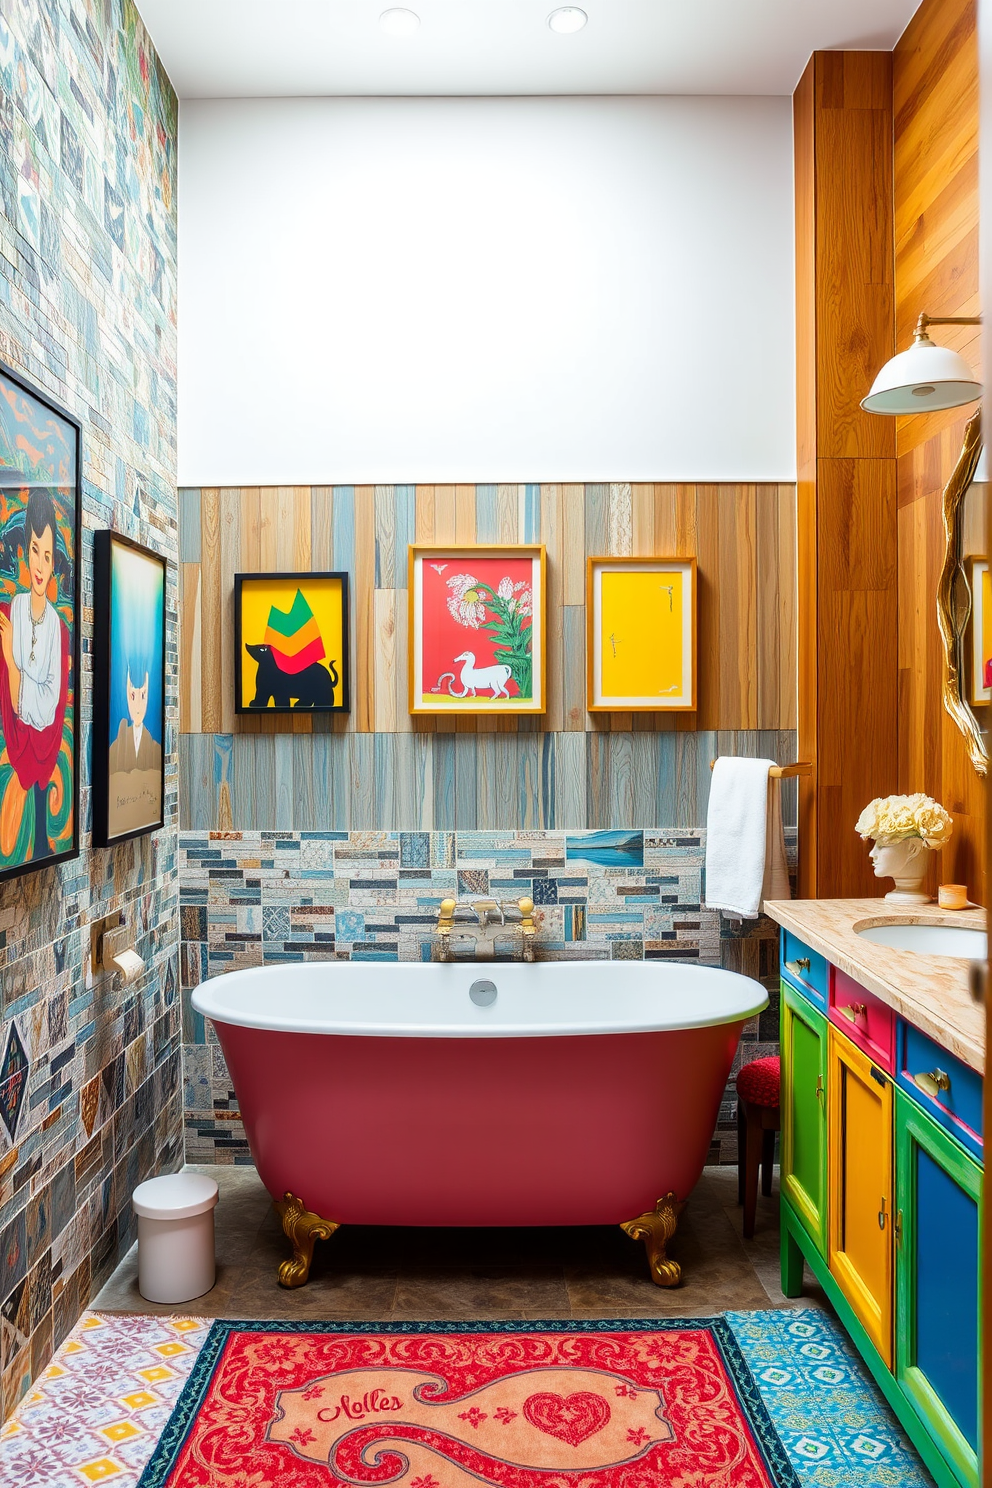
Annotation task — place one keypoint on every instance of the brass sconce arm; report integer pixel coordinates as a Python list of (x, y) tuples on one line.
[(926, 320)]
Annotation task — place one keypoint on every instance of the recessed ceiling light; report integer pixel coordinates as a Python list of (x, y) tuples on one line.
[(567, 19), (399, 22)]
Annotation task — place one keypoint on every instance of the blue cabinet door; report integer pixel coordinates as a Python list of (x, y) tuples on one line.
[(938, 1201)]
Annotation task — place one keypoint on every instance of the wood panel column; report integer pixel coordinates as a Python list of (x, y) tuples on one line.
[(847, 529)]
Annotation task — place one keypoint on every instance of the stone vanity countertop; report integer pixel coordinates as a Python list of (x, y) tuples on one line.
[(931, 992)]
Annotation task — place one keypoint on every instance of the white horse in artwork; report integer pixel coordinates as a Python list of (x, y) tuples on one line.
[(494, 677)]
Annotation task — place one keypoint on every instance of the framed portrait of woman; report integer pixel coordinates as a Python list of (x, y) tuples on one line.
[(39, 629), (129, 583)]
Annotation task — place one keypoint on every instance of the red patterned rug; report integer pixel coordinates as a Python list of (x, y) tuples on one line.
[(515, 1405)]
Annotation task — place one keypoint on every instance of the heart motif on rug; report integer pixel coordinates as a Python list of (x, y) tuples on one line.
[(571, 1418)]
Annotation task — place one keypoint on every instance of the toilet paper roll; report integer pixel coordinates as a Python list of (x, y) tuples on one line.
[(129, 964)]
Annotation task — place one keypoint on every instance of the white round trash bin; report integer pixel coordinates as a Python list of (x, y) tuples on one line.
[(175, 1236)]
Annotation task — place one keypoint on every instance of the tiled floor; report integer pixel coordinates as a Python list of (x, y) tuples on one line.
[(376, 1274)]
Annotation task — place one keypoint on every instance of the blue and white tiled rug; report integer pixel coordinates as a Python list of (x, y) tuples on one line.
[(835, 1424)]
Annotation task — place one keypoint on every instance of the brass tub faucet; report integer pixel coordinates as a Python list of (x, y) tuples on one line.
[(492, 918)]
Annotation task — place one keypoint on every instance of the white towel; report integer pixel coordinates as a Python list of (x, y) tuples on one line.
[(745, 843)]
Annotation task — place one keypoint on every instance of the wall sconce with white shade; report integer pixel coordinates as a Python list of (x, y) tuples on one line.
[(926, 377)]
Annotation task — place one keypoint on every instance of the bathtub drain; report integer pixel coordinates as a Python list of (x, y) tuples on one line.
[(483, 993)]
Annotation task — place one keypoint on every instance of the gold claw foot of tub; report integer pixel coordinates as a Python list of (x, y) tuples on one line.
[(301, 1228), (656, 1228)]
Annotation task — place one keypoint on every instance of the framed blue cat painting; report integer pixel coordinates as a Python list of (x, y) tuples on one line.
[(129, 745)]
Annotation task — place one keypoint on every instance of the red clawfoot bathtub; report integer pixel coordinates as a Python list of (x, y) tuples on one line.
[(384, 1094)]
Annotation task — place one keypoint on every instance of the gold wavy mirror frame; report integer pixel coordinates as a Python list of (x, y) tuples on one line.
[(954, 598)]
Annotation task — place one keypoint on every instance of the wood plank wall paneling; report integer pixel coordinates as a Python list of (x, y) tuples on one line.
[(846, 497), (744, 537), (417, 782), (935, 95)]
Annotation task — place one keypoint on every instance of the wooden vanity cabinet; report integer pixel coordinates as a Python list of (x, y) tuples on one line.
[(804, 1112), (938, 1206), (881, 1185), (859, 1187)]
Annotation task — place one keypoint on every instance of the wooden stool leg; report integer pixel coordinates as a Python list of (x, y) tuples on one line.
[(753, 1158), (767, 1160), (741, 1150)]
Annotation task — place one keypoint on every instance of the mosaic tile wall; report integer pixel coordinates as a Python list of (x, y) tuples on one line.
[(89, 1074), (274, 898)]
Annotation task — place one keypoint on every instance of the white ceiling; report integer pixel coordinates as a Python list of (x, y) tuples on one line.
[(301, 48)]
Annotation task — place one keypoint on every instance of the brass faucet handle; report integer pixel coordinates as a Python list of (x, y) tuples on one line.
[(526, 908), (446, 916)]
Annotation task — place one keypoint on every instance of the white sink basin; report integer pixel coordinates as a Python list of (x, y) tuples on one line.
[(930, 940)]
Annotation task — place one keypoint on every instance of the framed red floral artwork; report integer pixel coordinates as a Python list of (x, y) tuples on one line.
[(477, 628)]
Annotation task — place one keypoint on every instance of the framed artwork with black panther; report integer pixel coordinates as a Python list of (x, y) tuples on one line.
[(39, 629), (129, 584), (291, 643)]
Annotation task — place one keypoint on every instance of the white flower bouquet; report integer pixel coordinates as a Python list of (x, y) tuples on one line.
[(890, 819)]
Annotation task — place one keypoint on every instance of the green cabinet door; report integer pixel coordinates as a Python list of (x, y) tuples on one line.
[(938, 1226), (804, 1113)]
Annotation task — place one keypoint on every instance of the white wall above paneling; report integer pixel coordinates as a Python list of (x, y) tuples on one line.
[(515, 289)]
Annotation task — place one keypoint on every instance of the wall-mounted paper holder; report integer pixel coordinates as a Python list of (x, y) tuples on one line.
[(111, 949)]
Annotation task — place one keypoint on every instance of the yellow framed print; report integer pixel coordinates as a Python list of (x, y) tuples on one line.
[(981, 631), (477, 629), (641, 635)]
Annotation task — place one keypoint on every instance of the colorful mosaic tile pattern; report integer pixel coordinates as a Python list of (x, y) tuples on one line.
[(89, 1080), (835, 1426), (275, 898), (98, 1411)]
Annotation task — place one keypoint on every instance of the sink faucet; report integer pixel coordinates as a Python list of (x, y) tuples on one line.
[(492, 919)]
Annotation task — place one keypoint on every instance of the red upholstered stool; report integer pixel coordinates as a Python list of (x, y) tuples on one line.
[(758, 1086)]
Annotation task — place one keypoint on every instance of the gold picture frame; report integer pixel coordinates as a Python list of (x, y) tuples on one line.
[(641, 635), (478, 628), (954, 598), (981, 623)]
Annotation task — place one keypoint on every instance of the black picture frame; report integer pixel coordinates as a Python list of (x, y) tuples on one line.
[(24, 394), (109, 811), (341, 688)]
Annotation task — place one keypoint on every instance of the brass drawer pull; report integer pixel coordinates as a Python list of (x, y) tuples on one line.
[(819, 1087), (855, 1011), (881, 1216), (802, 964), (933, 1083)]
